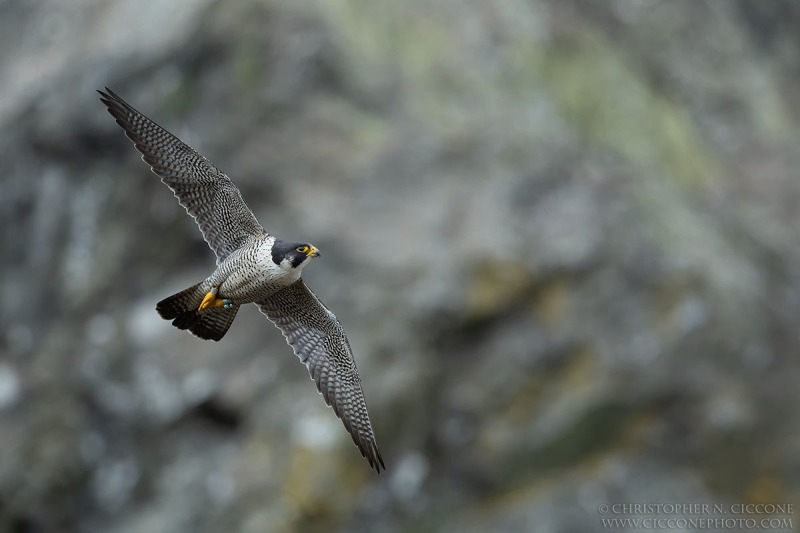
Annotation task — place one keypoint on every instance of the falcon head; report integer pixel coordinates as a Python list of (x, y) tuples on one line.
[(293, 254)]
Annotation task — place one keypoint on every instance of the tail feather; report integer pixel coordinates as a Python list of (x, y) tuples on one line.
[(213, 322), (210, 324), (186, 320), (178, 304)]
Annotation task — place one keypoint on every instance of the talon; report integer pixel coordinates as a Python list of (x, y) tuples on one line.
[(227, 303), (208, 300)]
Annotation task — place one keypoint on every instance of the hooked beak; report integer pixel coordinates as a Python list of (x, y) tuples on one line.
[(313, 252)]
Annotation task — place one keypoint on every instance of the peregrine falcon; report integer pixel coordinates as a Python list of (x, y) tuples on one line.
[(252, 267)]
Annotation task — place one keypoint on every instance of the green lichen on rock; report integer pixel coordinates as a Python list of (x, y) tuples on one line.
[(610, 103)]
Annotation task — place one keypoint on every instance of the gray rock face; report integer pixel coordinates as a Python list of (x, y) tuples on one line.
[(562, 237)]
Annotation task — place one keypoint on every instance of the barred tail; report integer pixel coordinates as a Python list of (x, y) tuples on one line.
[(181, 308)]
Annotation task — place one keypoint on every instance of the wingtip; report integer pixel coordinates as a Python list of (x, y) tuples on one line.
[(379, 464), (373, 456), (112, 100)]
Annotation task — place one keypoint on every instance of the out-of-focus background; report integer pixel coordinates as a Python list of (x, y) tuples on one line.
[(561, 235)]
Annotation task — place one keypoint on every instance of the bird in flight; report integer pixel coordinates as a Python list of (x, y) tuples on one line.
[(252, 267)]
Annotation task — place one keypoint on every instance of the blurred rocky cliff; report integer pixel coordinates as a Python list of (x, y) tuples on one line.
[(562, 236)]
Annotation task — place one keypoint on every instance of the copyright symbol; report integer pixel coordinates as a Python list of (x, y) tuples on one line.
[(603, 508)]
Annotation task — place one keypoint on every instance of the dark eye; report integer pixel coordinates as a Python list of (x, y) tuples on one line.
[(302, 249)]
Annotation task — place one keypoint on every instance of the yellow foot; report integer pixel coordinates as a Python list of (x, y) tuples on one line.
[(208, 299), (211, 300)]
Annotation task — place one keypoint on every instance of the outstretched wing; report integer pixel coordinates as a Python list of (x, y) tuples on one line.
[(319, 341), (208, 195)]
